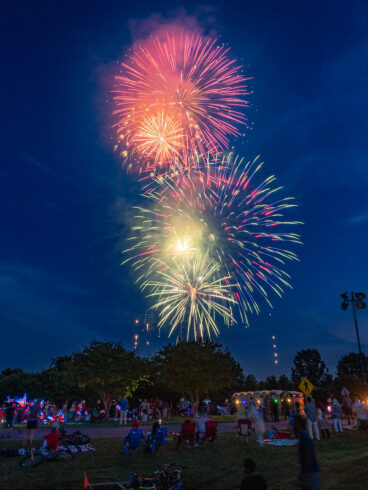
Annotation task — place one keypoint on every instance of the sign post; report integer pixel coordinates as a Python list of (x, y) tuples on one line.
[(306, 387)]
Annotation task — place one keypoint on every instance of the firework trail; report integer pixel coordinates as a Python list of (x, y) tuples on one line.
[(235, 218), (178, 95)]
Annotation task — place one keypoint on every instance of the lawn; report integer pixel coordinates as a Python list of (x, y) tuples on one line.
[(344, 462)]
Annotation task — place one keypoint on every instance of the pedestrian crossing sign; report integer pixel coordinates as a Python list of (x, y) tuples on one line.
[(306, 386)]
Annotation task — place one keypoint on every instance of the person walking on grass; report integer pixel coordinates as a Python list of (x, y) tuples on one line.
[(310, 476), (311, 413)]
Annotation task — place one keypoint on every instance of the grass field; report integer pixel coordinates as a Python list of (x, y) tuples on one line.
[(343, 459)]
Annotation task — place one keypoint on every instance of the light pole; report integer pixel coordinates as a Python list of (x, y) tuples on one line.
[(357, 301)]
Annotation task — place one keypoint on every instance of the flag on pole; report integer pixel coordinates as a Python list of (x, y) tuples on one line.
[(86, 483)]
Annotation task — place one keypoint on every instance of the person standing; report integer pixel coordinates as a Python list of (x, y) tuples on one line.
[(347, 409), (164, 409), (124, 405), (337, 414), (9, 419), (322, 420), (144, 410), (311, 413), (310, 474), (361, 413), (32, 422)]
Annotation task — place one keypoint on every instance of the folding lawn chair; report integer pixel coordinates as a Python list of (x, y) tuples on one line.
[(159, 441), (187, 435), (244, 430), (211, 431), (133, 442)]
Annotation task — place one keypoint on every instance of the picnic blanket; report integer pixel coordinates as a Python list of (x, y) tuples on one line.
[(83, 448), (278, 442)]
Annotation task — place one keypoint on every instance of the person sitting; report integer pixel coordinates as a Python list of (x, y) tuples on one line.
[(253, 480), (272, 432), (148, 443), (51, 440), (135, 426), (132, 441)]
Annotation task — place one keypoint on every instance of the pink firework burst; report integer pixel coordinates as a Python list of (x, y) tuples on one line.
[(185, 81)]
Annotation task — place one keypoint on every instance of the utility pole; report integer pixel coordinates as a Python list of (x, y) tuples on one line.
[(357, 301)]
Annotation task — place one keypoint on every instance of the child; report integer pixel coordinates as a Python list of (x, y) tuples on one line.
[(252, 481), (272, 432)]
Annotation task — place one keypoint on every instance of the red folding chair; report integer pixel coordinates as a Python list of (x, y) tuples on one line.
[(211, 431), (186, 434), (244, 429)]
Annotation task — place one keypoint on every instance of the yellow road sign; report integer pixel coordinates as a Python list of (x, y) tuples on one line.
[(306, 386)]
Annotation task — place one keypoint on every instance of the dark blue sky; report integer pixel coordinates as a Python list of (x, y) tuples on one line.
[(64, 198)]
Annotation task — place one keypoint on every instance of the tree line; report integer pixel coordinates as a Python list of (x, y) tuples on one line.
[(106, 371)]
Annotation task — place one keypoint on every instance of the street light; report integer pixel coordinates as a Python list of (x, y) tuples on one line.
[(357, 301)]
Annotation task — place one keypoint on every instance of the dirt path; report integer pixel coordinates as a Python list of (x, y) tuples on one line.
[(107, 432)]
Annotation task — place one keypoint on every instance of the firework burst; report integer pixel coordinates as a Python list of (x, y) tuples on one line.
[(188, 293), (234, 217), (184, 81)]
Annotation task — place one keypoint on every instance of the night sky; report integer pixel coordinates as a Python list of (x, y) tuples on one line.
[(65, 201)]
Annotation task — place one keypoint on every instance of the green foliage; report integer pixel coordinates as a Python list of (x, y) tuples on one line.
[(108, 369), (16, 382), (308, 363), (251, 383), (351, 364), (271, 383), (285, 384), (135, 383), (195, 368), (353, 383)]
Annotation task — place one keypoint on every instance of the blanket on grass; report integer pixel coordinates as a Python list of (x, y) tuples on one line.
[(278, 442)]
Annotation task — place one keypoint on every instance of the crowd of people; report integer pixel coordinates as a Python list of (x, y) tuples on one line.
[(309, 420)]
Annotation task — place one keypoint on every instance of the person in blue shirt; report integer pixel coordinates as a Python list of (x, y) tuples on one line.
[(310, 476), (124, 405)]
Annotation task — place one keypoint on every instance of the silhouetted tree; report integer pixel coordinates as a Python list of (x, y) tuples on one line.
[(284, 383), (351, 364), (308, 363), (251, 383), (108, 369), (195, 368), (271, 383)]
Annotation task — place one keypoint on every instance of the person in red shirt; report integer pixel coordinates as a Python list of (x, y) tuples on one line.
[(52, 439)]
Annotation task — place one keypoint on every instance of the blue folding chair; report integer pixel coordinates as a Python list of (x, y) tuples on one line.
[(133, 442), (159, 440)]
